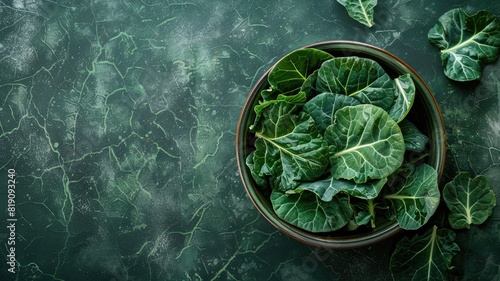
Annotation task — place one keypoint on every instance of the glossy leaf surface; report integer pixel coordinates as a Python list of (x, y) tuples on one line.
[(361, 78), (288, 147), (414, 139), (260, 181), (322, 108), (425, 257), (326, 189), (309, 85), (288, 75), (470, 200), (405, 96), (287, 104), (307, 211), (365, 143), (466, 42), (417, 198)]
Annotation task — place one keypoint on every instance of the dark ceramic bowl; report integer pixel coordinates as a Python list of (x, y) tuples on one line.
[(425, 113)]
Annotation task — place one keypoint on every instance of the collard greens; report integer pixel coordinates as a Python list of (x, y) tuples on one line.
[(307, 211), (327, 141), (414, 139), (360, 10), (467, 43), (365, 143), (405, 95), (289, 148), (322, 108), (360, 78), (426, 257), (290, 73), (470, 200), (326, 189), (417, 198)]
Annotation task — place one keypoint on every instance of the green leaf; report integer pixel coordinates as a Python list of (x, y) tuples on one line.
[(360, 10), (363, 218), (365, 143), (470, 200), (322, 108), (305, 210), (417, 198), (288, 104), (295, 101), (326, 189), (405, 95), (414, 139), (366, 210), (268, 94), (467, 43), (288, 75), (361, 78), (288, 147), (260, 181), (309, 86), (426, 257)]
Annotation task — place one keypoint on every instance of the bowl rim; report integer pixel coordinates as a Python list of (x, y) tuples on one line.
[(312, 239)]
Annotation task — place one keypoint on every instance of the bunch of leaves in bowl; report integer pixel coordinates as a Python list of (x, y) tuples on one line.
[(334, 148)]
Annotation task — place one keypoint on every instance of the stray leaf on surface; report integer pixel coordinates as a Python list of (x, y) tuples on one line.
[(427, 257), (470, 200), (360, 10), (467, 43)]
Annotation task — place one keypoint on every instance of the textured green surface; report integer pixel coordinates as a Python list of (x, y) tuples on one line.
[(119, 118)]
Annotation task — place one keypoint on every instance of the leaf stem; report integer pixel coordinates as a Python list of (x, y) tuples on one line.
[(371, 210)]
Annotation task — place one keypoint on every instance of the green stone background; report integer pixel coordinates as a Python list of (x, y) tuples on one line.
[(119, 118)]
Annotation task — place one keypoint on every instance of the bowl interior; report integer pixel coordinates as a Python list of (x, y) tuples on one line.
[(425, 113)]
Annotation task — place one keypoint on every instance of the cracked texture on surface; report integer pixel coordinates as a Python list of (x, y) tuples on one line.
[(119, 118)]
